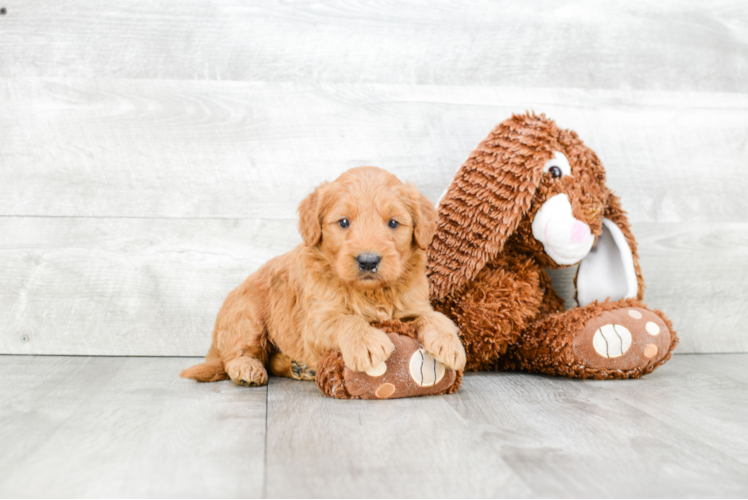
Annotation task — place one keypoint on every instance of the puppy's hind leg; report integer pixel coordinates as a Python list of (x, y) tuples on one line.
[(283, 366), (246, 370), (241, 338)]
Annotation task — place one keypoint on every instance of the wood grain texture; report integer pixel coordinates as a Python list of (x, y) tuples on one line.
[(697, 274), (153, 154), (242, 150), (125, 427), (514, 435), (402, 448), (125, 286), (128, 427), (105, 286), (667, 45), (718, 413)]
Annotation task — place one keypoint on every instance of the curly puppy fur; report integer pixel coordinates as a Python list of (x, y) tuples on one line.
[(318, 296), (486, 269)]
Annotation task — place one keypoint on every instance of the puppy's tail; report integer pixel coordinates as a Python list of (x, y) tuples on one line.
[(210, 371)]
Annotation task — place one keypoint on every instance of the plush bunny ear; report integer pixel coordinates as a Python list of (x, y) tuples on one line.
[(487, 199), (611, 269)]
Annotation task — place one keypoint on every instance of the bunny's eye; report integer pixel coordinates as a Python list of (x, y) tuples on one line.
[(344, 223), (558, 166)]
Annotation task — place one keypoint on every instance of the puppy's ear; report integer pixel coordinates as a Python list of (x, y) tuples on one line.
[(311, 212), (487, 199), (424, 216)]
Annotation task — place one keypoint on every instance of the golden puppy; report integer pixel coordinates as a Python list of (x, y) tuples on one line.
[(363, 260)]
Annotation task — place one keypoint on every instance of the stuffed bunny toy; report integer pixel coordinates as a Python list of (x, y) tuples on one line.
[(533, 196)]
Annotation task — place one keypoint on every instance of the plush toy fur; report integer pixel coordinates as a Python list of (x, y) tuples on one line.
[(533, 196)]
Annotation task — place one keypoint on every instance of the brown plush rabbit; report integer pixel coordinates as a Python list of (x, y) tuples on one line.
[(533, 196)]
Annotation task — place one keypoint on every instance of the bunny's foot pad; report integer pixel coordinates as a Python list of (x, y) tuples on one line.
[(630, 338), (602, 340), (409, 371)]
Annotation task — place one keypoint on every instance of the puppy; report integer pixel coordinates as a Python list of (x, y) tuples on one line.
[(363, 260)]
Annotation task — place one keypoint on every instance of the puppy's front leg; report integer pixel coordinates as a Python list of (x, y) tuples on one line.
[(440, 337), (363, 346)]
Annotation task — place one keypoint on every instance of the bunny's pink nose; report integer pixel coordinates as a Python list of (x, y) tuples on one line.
[(579, 232)]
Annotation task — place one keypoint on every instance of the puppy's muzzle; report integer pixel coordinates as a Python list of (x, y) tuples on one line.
[(368, 262)]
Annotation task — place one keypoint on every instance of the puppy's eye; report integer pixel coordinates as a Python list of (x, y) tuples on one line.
[(555, 172), (344, 223), (393, 223)]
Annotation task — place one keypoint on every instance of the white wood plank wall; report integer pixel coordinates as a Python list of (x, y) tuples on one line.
[(152, 154)]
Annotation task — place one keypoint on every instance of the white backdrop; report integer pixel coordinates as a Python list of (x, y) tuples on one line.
[(152, 155)]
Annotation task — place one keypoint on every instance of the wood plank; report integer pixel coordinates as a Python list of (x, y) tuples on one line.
[(695, 275), (410, 448), (153, 286), (244, 150), (510, 435), (126, 427), (718, 413), (125, 286), (666, 45)]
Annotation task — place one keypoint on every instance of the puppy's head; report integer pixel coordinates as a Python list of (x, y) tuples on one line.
[(371, 228)]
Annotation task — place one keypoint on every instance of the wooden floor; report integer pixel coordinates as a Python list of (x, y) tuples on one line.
[(122, 427)]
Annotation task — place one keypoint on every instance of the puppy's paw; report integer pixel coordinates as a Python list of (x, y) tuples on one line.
[(367, 350), (300, 371), (444, 345), (247, 371), (282, 365)]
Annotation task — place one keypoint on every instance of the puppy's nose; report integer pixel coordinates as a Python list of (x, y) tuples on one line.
[(368, 261)]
